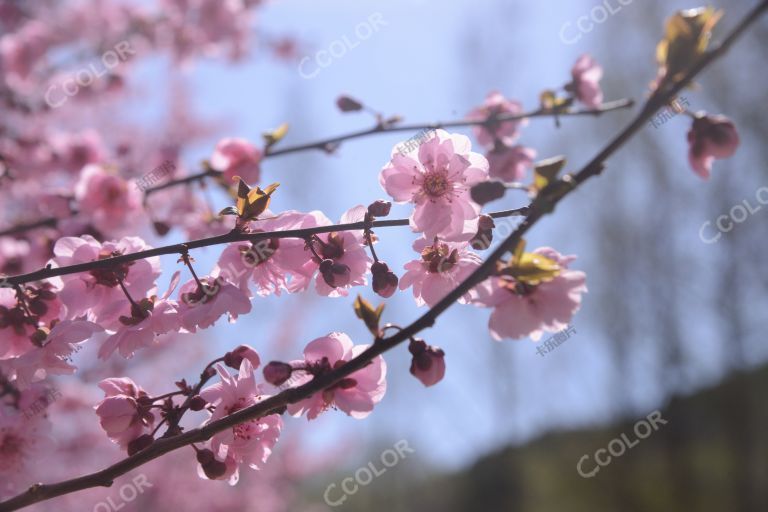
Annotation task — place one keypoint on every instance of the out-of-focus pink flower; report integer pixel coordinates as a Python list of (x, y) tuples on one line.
[(506, 132), (355, 395), (343, 261), (53, 357), (20, 321), (440, 269), (510, 163), (428, 362), (78, 150), (248, 443), (200, 308), (21, 51), (25, 442), (120, 413), (97, 294), (585, 86), (111, 203), (438, 184), (267, 263), (237, 157), (522, 310), (710, 137)]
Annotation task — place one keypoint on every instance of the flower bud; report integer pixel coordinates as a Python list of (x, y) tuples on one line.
[(347, 104), (484, 236), (379, 208), (236, 356), (384, 281), (197, 403), (487, 191), (276, 372), (336, 275), (428, 363), (214, 469)]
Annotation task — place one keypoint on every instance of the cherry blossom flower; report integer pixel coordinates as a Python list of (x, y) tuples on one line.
[(355, 395), (440, 269), (76, 151), (150, 318), (201, 306), (710, 137), (267, 263), (20, 319), (340, 257), (509, 164), (53, 356), (25, 441), (585, 86), (237, 157), (522, 309), (112, 203), (97, 294), (21, 51), (438, 184), (250, 442), (428, 362), (505, 132), (121, 413)]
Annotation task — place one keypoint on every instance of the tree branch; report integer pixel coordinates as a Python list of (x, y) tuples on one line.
[(333, 141), (232, 236)]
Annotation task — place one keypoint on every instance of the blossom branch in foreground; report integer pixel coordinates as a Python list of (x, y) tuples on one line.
[(333, 142), (233, 236), (544, 203)]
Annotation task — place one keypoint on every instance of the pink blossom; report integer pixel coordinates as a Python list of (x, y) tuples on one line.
[(97, 294), (355, 395), (710, 137), (267, 263), (202, 307), (22, 50), (140, 330), (250, 442), (78, 150), (53, 356), (585, 86), (509, 164), (341, 258), (16, 326), (505, 132), (522, 310), (237, 157), (112, 203), (25, 442), (440, 269), (438, 184), (121, 414)]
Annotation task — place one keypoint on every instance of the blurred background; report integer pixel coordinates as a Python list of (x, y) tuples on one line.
[(671, 322)]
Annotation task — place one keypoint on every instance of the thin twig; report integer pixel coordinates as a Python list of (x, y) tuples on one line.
[(232, 236)]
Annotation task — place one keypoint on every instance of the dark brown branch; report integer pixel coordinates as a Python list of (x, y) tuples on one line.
[(543, 204), (232, 236)]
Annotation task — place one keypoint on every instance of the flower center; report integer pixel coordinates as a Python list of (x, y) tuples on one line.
[(439, 258), (112, 276), (436, 184)]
